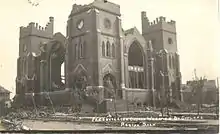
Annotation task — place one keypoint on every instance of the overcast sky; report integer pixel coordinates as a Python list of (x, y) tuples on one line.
[(197, 29)]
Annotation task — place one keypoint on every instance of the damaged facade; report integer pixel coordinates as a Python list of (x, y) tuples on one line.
[(99, 55), (4, 100)]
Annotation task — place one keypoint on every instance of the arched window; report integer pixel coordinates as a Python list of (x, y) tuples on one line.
[(103, 48), (113, 50), (24, 66), (174, 62), (81, 50), (108, 49), (170, 41), (84, 49), (170, 61), (76, 50)]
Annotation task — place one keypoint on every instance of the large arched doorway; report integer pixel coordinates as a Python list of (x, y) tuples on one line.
[(109, 84), (136, 66), (79, 87)]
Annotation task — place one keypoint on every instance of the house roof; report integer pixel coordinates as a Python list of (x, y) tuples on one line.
[(3, 90)]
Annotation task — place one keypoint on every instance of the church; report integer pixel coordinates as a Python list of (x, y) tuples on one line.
[(103, 62)]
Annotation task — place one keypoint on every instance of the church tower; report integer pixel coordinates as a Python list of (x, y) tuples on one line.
[(94, 44), (162, 34), (30, 38)]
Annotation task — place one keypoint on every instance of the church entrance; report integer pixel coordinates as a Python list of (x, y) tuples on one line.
[(79, 89), (109, 84), (136, 66), (81, 81)]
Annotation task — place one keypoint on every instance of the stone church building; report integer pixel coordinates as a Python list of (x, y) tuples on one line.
[(100, 56)]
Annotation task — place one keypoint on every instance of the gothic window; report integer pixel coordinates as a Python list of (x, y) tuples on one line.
[(108, 49), (76, 50), (173, 62), (103, 48), (170, 41), (24, 66), (81, 50), (107, 23), (113, 50), (84, 49), (170, 61)]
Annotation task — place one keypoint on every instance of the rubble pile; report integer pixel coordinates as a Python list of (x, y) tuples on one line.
[(22, 113), (194, 109), (14, 124), (148, 108), (139, 114)]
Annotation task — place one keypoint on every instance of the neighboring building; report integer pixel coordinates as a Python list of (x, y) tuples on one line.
[(4, 94), (210, 92), (4, 99), (100, 55)]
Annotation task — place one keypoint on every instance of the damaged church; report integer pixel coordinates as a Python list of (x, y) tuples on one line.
[(101, 60)]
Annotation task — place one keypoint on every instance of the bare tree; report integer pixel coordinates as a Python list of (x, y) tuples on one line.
[(197, 89)]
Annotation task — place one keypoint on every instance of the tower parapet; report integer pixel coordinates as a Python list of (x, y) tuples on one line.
[(162, 19), (36, 30), (158, 23), (97, 4), (79, 8)]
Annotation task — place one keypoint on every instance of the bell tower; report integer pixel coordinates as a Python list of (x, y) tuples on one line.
[(94, 43), (30, 38), (162, 34)]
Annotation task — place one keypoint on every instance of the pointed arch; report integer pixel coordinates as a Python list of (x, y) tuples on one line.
[(107, 69), (103, 48), (113, 50), (80, 77), (109, 84), (136, 64), (108, 49), (79, 68)]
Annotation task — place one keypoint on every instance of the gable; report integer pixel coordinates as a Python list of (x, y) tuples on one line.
[(79, 68), (134, 35), (107, 69)]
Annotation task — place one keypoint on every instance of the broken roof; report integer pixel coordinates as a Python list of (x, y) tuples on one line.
[(132, 31), (3, 90)]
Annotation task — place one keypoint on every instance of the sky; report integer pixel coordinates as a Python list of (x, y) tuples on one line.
[(197, 23)]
